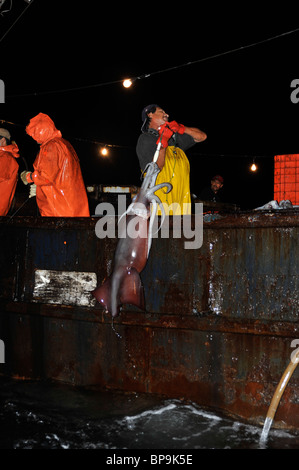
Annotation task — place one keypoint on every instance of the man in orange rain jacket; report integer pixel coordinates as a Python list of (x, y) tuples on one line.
[(60, 190), (8, 171)]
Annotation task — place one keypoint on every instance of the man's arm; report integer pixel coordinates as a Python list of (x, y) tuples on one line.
[(197, 134), (146, 147), (161, 158), (194, 132)]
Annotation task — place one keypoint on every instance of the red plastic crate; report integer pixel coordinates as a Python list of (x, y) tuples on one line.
[(286, 178)]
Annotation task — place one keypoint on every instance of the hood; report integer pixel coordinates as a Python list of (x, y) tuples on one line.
[(12, 148), (41, 128)]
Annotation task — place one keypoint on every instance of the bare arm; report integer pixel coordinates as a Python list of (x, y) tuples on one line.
[(197, 134), (194, 132), (161, 158)]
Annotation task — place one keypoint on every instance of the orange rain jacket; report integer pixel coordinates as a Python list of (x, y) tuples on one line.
[(60, 189), (8, 176)]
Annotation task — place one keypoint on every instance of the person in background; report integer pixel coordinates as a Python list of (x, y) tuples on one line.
[(172, 160), (60, 189), (9, 167), (211, 193)]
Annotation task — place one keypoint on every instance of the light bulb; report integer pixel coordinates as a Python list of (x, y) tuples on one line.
[(104, 151), (253, 167), (127, 83)]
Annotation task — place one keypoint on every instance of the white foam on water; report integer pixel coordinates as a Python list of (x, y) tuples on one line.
[(154, 412), (203, 414)]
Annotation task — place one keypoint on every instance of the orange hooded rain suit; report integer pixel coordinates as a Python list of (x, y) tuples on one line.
[(60, 189), (8, 176)]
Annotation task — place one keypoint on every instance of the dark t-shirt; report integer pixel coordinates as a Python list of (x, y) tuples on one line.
[(147, 145), (208, 195)]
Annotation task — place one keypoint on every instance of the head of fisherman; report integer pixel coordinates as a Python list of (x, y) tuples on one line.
[(42, 129), (153, 116), (217, 183)]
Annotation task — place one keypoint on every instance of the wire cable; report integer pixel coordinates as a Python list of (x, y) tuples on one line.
[(169, 69), (220, 54), (192, 153), (88, 141)]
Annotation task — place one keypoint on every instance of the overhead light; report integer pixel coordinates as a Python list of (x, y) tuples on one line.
[(104, 151), (127, 83)]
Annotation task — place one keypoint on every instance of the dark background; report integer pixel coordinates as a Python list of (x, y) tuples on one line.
[(241, 99)]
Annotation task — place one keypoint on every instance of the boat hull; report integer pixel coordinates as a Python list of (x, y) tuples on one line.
[(219, 326)]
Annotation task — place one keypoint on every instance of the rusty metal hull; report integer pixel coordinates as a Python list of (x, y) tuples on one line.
[(218, 325)]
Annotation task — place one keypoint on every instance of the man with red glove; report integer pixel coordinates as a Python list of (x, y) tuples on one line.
[(174, 165)]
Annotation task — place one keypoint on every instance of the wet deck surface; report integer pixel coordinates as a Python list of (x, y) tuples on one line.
[(38, 415)]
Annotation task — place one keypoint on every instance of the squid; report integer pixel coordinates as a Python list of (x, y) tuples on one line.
[(124, 285)]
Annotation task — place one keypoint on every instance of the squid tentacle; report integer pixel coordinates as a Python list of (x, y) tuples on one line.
[(150, 226), (151, 171), (161, 207), (159, 186)]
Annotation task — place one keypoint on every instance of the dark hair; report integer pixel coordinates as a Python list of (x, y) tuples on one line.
[(144, 116), (152, 109)]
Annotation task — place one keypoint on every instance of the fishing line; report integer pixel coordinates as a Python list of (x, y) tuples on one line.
[(30, 3), (113, 328), (19, 209)]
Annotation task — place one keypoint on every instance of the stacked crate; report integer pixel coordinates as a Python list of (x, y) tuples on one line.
[(286, 178)]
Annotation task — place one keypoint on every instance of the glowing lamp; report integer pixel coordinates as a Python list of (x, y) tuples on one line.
[(104, 151), (127, 83)]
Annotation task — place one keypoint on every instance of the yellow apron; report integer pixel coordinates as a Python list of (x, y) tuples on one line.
[(176, 170)]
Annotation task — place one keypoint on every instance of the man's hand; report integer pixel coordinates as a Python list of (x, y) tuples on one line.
[(175, 127), (23, 176), (32, 190), (166, 133)]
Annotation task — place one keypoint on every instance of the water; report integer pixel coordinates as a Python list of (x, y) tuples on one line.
[(37, 415), (266, 430)]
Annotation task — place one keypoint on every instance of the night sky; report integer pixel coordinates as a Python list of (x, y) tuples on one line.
[(240, 99)]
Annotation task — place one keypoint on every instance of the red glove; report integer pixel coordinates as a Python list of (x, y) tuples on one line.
[(166, 133), (175, 127)]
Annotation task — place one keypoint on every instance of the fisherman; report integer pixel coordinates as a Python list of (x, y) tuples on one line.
[(174, 165), (60, 189), (9, 167), (211, 193)]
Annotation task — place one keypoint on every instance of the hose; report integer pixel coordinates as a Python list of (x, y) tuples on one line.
[(277, 396)]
